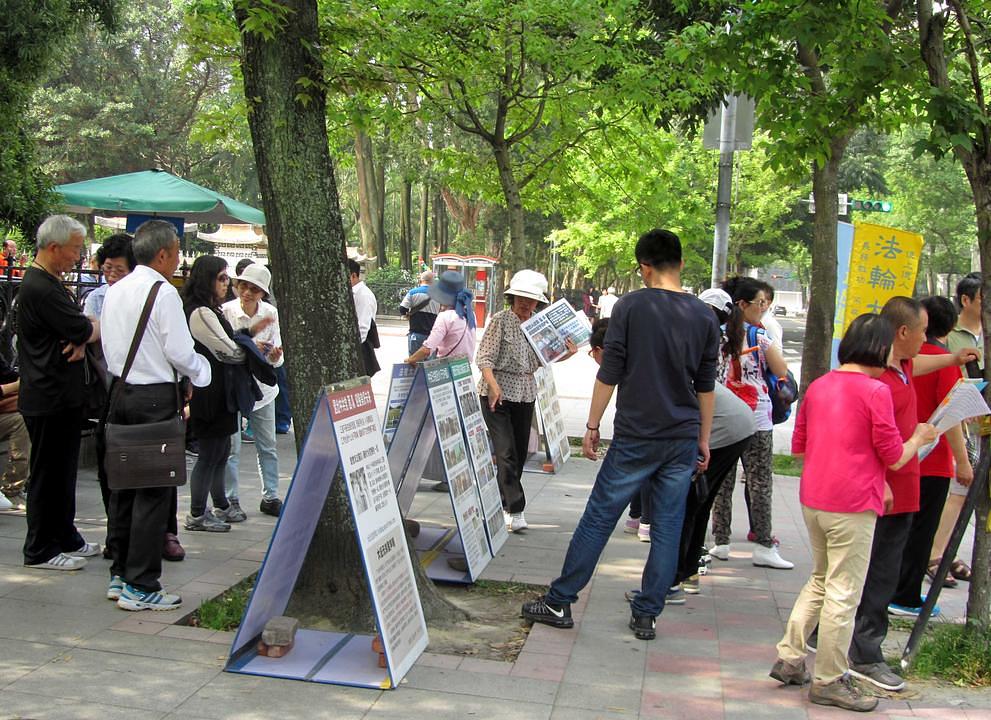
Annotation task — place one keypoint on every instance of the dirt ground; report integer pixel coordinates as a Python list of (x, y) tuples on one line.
[(495, 631)]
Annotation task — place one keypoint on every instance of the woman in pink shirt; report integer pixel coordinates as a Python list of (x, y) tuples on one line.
[(453, 332), (846, 432)]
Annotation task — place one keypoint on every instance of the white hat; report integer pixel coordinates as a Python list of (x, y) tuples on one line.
[(718, 299), (611, 290), (256, 274), (529, 284)]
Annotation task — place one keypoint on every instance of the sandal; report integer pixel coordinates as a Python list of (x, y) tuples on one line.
[(960, 571), (948, 582)]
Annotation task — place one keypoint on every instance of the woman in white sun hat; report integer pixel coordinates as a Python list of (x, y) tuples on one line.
[(508, 388)]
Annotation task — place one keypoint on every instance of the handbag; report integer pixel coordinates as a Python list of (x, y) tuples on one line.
[(144, 455)]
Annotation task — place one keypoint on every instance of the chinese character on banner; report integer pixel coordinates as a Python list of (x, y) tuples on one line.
[(894, 263)]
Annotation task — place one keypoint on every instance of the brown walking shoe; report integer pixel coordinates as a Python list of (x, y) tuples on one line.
[(842, 693), (790, 673)]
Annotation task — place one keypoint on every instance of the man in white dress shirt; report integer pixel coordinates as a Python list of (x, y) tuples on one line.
[(138, 518), (365, 306)]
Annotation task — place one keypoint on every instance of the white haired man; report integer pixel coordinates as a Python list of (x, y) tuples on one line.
[(52, 333)]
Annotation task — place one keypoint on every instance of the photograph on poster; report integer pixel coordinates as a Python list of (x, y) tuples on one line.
[(461, 483), (479, 443), (548, 344), (449, 427), (469, 403), (392, 416), (360, 491), (454, 455)]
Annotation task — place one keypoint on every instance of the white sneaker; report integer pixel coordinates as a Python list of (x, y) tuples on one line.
[(769, 557), (643, 533), (517, 522), (61, 562), (88, 549), (5, 504), (720, 552)]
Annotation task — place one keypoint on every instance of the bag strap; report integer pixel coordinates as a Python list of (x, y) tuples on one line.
[(133, 351), (140, 331)]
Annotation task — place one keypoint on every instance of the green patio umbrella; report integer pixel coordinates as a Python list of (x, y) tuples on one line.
[(155, 192)]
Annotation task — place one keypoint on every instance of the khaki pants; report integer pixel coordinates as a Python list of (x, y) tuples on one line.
[(841, 550), (15, 476)]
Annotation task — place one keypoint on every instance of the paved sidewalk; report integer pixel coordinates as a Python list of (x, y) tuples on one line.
[(69, 653)]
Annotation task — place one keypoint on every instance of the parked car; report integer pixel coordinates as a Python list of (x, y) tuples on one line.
[(781, 310)]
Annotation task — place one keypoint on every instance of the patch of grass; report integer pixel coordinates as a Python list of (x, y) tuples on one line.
[(786, 465), (955, 654), (225, 611)]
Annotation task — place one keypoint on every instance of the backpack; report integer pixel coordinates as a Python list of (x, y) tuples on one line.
[(782, 391)]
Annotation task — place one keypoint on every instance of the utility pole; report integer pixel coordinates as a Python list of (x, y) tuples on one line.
[(727, 143)]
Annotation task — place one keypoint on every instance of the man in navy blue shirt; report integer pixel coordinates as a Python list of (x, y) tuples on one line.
[(661, 349)]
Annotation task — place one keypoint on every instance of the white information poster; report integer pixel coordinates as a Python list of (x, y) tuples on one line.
[(551, 418), (464, 489), (399, 387), (479, 451), (379, 527)]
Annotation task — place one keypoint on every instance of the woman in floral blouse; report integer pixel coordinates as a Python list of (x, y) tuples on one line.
[(508, 388)]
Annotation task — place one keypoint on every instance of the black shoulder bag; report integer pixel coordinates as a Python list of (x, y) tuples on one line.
[(145, 455)]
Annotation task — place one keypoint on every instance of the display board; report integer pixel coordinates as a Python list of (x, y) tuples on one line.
[(479, 452), (550, 426), (399, 387), (433, 423), (344, 433)]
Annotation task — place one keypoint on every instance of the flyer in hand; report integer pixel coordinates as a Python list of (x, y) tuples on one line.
[(547, 330), (963, 402)]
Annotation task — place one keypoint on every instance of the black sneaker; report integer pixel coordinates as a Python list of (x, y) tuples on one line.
[(643, 626), (540, 611), (271, 506)]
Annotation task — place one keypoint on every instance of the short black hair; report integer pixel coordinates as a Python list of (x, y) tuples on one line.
[(768, 290), (598, 335), (969, 285), (901, 311), (661, 249), (353, 267), (115, 246), (242, 264), (942, 316), (867, 341)]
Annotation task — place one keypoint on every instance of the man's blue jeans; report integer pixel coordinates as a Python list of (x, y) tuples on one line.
[(667, 465), (414, 340)]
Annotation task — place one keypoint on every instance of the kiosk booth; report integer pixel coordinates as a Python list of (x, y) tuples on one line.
[(478, 271)]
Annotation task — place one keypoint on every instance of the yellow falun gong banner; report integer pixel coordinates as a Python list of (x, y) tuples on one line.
[(883, 264)]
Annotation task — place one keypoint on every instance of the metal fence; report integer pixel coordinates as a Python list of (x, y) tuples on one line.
[(78, 282)]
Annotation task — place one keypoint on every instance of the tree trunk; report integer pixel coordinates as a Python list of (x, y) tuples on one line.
[(424, 250), (379, 195), (515, 259), (440, 223), (367, 196), (306, 242), (822, 300), (979, 592), (406, 225)]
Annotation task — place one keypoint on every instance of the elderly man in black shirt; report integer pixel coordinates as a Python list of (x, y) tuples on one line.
[(52, 333)]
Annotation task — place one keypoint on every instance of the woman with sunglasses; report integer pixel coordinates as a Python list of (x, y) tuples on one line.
[(742, 366), (211, 421)]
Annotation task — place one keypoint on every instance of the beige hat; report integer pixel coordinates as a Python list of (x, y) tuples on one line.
[(529, 284), (256, 274)]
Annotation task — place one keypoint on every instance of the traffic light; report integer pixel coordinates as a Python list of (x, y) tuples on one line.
[(871, 205)]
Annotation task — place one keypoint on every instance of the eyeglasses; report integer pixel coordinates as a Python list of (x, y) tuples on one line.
[(759, 303), (248, 287)]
